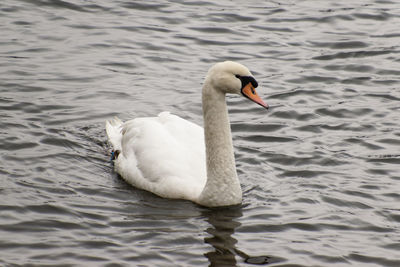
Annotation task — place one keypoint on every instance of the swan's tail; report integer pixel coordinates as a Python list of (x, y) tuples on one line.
[(113, 129)]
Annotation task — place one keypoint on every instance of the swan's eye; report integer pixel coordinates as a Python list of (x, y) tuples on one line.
[(237, 76)]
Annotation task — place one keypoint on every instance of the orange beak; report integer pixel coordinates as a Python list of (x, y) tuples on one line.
[(250, 92)]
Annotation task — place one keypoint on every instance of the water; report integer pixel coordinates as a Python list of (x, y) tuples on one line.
[(319, 170)]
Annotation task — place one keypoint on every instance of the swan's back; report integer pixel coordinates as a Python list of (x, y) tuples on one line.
[(164, 155)]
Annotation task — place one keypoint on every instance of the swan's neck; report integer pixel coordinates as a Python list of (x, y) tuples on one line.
[(223, 186)]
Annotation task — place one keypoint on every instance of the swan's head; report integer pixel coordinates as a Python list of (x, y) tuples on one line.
[(234, 78)]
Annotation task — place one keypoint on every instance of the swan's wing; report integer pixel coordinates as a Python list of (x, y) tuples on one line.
[(164, 155)]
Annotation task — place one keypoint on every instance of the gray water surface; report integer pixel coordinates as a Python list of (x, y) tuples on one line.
[(320, 170)]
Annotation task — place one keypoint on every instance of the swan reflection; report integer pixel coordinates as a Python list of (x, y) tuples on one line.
[(224, 222)]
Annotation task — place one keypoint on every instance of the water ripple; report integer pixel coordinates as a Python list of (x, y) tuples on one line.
[(319, 170)]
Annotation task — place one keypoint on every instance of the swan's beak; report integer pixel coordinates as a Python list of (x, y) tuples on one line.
[(250, 92)]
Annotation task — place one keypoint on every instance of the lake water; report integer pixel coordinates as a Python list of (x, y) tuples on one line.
[(320, 170)]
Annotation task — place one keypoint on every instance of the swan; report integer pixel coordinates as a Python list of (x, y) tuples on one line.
[(175, 158)]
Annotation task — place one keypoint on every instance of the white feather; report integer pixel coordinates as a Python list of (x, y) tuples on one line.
[(114, 132)]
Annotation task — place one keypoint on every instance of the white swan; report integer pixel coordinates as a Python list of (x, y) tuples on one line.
[(174, 158)]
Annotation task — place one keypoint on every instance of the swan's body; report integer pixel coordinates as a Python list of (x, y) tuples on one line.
[(161, 155), (175, 158)]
